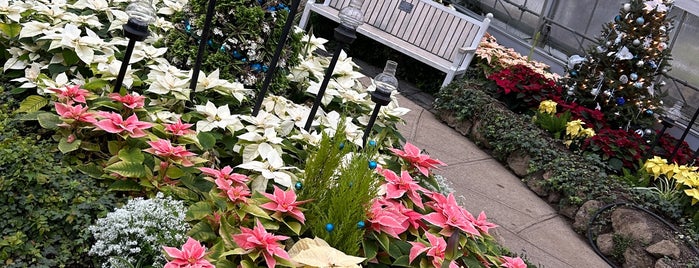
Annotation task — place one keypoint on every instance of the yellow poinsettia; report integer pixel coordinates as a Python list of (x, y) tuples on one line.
[(574, 127), (656, 166), (684, 174), (548, 107), (588, 132), (694, 193)]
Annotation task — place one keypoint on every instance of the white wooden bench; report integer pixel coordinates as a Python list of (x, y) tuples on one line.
[(422, 29)]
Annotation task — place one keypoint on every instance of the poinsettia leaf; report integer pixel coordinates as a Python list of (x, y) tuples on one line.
[(402, 261), (90, 146), (127, 169), (247, 264), (216, 250), (383, 240), (90, 169), (225, 231), (11, 29), (198, 211), (32, 104), (95, 84), (48, 120), (370, 249), (294, 226), (255, 211), (130, 154), (203, 232), (236, 251), (206, 140), (174, 172), (65, 147), (113, 147), (125, 186)]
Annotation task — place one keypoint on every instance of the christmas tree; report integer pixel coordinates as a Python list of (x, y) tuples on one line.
[(618, 74)]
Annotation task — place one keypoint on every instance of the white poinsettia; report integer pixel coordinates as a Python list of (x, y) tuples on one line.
[(352, 131), (89, 20), (31, 74), (118, 18), (84, 46), (393, 109), (216, 117), (311, 43), (172, 6), (109, 68), (34, 28), (168, 83), (345, 66), (146, 51), (211, 81), (270, 171), (330, 91), (12, 11), (267, 146), (166, 117), (96, 5), (262, 121), (15, 62)]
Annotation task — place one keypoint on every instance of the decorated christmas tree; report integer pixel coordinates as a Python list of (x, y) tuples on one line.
[(618, 75), (243, 37)]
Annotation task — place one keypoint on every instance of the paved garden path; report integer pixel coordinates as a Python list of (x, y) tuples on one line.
[(528, 225)]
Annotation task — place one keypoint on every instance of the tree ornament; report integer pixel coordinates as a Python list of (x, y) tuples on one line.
[(624, 54), (648, 131), (662, 29), (298, 185), (636, 42), (571, 91), (662, 46), (329, 227), (639, 132), (601, 49), (608, 43), (361, 224), (623, 79), (627, 7), (342, 145), (372, 143), (638, 85), (372, 164), (649, 112), (573, 73), (633, 76), (653, 64), (640, 20), (620, 101), (617, 18), (640, 63)]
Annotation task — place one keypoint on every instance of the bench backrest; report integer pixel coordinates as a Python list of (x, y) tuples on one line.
[(424, 23)]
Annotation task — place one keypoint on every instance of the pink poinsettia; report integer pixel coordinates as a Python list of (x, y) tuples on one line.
[(225, 177), (282, 202), (132, 101), (239, 194), (516, 262), (481, 222), (77, 112), (259, 239), (70, 94), (164, 148), (420, 161), (448, 215), (191, 255), (396, 186), (114, 123), (386, 216), (435, 250), (179, 128)]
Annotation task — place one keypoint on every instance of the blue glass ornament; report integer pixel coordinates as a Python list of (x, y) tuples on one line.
[(260, 2), (640, 21), (617, 18), (573, 73), (372, 143), (638, 85), (222, 49), (342, 145), (244, 59), (649, 112), (271, 9), (620, 101), (653, 64), (329, 227), (264, 68), (237, 54), (187, 26), (633, 76), (298, 185), (361, 224), (372, 164), (210, 43), (256, 67)]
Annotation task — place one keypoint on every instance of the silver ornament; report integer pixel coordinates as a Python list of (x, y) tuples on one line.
[(623, 79), (648, 131), (640, 63), (627, 7), (636, 42)]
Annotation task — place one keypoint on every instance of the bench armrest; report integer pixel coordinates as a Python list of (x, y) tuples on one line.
[(465, 50)]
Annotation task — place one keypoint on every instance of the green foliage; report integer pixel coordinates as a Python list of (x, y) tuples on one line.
[(553, 123), (460, 98), (340, 193), (46, 207)]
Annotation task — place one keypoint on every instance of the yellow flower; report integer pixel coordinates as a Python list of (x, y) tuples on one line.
[(684, 173), (692, 180), (694, 193), (574, 127), (588, 132), (655, 166), (547, 107)]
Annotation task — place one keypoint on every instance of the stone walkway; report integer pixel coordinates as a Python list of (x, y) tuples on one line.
[(528, 225)]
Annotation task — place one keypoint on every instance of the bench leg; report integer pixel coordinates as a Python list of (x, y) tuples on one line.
[(306, 14), (448, 79)]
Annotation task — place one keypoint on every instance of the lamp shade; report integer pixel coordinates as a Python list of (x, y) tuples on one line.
[(141, 12), (351, 16)]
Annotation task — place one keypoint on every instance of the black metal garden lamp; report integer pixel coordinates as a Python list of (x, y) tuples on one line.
[(385, 83), (203, 41), (141, 15), (273, 65), (350, 18)]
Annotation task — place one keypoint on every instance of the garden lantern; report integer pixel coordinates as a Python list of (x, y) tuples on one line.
[(202, 44), (273, 65), (350, 18), (386, 83), (141, 15)]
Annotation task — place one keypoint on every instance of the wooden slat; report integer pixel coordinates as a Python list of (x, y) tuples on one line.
[(431, 27), (404, 22), (418, 12), (437, 34), (452, 44)]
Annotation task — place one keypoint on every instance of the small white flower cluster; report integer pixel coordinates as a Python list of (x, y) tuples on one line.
[(137, 231)]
